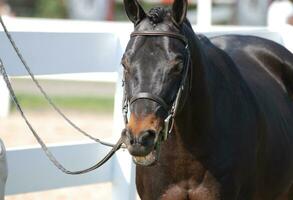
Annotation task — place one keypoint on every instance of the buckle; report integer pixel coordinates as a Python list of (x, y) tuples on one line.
[(169, 123)]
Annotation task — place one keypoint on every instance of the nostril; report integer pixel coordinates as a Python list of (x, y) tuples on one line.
[(130, 138), (131, 141), (147, 138)]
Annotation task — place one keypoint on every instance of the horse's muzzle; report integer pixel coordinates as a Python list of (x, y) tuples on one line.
[(143, 147), (142, 144)]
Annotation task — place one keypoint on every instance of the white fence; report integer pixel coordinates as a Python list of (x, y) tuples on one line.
[(57, 47)]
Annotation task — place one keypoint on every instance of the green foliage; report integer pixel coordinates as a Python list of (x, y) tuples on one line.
[(89, 104), (39, 8), (50, 9)]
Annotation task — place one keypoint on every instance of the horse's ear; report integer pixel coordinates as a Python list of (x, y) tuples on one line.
[(179, 11), (134, 11)]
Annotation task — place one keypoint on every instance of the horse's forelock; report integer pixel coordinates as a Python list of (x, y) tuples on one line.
[(157, 14)]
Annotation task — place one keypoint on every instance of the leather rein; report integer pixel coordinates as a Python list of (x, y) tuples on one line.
[(46, 150), (171, 110)]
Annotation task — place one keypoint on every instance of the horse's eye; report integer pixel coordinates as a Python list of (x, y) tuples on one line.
[(125, 67), (177, 68)]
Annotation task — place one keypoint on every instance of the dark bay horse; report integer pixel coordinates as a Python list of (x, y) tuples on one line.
[(231, 98)]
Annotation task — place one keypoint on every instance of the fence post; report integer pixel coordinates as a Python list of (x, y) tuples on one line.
[(124, 170), (90, 10), (4, 99), (204, 13), (3, 170)]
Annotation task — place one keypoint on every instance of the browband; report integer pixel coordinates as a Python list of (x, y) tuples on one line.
[(160, 33)]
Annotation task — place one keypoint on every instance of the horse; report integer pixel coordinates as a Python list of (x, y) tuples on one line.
[(210, 118)]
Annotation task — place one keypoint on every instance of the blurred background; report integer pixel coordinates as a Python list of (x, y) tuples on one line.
[(89, 103), (237, 12)]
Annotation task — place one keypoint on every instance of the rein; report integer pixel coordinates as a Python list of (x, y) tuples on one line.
[(169, 121), (48, 153)]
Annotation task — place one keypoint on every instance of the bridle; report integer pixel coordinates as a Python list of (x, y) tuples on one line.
[(170, 119)]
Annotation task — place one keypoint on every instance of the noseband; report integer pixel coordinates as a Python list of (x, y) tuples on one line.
[(169, 121)]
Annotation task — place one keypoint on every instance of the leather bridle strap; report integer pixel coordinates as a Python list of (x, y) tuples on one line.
[(149, 96), (161, 33)]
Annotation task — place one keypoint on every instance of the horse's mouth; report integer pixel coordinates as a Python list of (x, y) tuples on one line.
[(151, 158), (147, 160)]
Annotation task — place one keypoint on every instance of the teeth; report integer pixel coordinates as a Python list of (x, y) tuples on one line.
[(145, 160), (144, 157), (139, 159)]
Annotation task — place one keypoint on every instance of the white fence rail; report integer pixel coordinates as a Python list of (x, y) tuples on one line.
[(3, 169), (57, 47), (4, 99)]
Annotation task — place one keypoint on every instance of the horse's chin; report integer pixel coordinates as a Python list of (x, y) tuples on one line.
[(147, 160)]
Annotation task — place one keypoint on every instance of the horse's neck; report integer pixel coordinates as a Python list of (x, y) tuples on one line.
[(194, 122)]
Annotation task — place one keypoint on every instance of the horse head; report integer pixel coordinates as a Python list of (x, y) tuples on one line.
[(156, 63)]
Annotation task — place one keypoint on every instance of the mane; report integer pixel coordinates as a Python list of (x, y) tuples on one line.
[(187, 22), (156, 15)]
